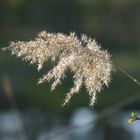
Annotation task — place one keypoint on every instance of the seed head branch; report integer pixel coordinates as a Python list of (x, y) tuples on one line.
[(90, 64)]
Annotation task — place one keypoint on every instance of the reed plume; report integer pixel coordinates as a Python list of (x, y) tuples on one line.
[(89, 63)]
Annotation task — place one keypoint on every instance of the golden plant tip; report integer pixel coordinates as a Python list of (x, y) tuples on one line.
[(39, 82), (90, 64)]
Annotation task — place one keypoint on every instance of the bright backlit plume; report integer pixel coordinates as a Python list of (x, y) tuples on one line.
[(89, 63)]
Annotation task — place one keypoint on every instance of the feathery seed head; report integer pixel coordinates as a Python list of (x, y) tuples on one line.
[(90, 64)]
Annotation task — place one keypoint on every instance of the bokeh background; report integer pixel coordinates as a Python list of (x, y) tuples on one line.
[(32, 112)]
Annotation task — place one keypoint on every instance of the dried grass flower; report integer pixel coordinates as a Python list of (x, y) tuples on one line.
[(90, 64)]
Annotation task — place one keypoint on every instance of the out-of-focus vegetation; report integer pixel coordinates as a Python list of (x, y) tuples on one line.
[(133, 117), (113, 23)]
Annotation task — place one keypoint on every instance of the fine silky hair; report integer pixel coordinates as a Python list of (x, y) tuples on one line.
[(90, 64)]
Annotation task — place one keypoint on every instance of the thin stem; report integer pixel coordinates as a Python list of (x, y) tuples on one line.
[(128, 75), (13, 104)]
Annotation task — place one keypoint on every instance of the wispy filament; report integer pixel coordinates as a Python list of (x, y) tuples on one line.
[(89, 63)]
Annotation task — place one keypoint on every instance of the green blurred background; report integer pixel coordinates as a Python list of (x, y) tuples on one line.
[(115, 24)]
